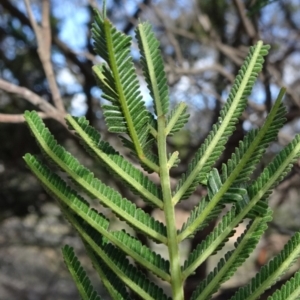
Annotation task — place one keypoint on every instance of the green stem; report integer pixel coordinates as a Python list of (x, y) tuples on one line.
[(175, 268)]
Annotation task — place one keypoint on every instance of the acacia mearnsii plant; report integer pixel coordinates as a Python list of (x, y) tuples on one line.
[(117, 255)]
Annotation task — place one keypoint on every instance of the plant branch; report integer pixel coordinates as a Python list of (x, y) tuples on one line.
[(18, 118), (249, 28), (43, 36), (49, 111)]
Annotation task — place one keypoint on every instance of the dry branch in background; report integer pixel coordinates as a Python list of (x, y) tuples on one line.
[(43, 36)]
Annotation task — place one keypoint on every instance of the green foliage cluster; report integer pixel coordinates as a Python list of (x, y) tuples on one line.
[(141, 132)]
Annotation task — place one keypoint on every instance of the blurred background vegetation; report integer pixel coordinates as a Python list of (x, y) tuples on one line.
[(203, 43)]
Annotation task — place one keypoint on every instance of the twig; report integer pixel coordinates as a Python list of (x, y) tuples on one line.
[(136, 15), (28, 95), (196, 71), (49, 111), (19, 118), (249, 28), (93, 4), (170, 35), (43, 36)]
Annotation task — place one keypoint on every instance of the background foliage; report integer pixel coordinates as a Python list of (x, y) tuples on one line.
[(203, 43)]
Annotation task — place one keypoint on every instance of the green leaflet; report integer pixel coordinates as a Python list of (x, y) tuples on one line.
[(193, 224), (58, 188), (272, 272), (212, 243), (238, 169), (275, 171), (80, 207), (251, 149), (177, 118), (119, 82), (226, 267), (213, 145), (290, 290), (80, 277), (116, 261), (115, 287), (211, 206), (131, 276), (123, 208), (153, 68), (259, 190), (114, 162), (156, 262)]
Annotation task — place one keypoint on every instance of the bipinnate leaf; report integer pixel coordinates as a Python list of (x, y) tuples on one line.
[(213, 145), (191, 226), (83, 283), (251, 149), (262, 187), (116, 254), (255, 201), (114, 286), (289, 291), (122, 207), (219, 187), (80, 207), (153, 68), (119, 82), (60, 190), (177, 118), (116, 261), (272, 272), (148, 151), (115, 163), (210, 245), (142, 254), (212, 204), (227, 266), (216, 187), (133, 278)]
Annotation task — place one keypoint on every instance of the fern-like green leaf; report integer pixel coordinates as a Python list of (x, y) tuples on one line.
[(142, 254), (191, 226), (213, 145), (254, 201), (177, 118), (215, 186), (114, 162), (59, 189), (133, 278), (243, 162), (114, 286), (272, 272), (122, 207), (80, 207), (233, 259), (289, 291), (212, 243), (148, 151), (209, 208), (79, 276), (116, 261), (173, 160), (153, 68), (275, 171), (127, 112)]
